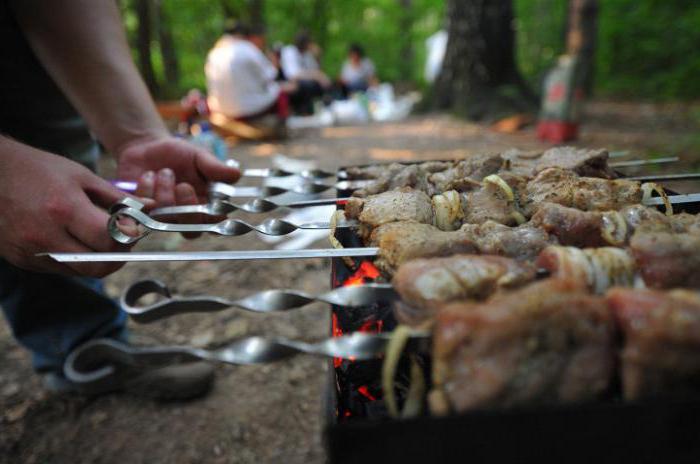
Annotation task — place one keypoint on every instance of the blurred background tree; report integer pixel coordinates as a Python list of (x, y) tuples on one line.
[(644, 49)]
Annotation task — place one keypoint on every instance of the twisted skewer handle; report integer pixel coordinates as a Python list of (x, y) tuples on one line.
[(263, 302), (101, 363), (222, 207), (131, 208)]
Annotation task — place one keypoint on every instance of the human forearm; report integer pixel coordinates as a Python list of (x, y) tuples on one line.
[(83, 46)]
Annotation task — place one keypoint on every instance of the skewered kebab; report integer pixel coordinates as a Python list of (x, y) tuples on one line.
[(434, 177), (506, 199), (399, 242)]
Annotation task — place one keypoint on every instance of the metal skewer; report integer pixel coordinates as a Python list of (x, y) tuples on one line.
[(220, 207), (262, 302), (157, 256), (99, 363), (128, 207), (274, 172), (220, 190), (646, 162), (666, 177)]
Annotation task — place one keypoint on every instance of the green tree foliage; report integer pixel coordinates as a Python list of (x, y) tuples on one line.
[(646, 48)]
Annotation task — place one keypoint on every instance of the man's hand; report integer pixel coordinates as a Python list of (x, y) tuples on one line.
[(49, 203), (170, 170)]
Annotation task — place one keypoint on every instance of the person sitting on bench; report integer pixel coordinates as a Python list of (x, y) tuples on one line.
[(241, 79)]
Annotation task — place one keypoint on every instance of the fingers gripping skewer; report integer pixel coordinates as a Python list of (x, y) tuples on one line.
[(130, 208), (99, 363), (262, 302)]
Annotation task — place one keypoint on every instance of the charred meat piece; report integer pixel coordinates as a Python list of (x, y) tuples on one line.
[(563, 187), (399, 242), (666, 259), (407, 176), (465, 173), (661, 332), (522, 243), (375, 171), (405, 204), (597, 269), (399, 175), (583, 229), (548, 342), (425, 283), (494, 201), (589, 163), (571, 226)]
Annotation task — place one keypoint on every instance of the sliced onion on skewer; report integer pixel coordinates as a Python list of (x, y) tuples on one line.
[(498, 181), (649, 187), (597, 268), (448, 210), (397, 343)]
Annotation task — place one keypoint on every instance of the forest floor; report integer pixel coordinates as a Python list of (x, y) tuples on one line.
[(272, 413)]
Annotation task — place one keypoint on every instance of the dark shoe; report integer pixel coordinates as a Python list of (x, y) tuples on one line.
[(176, 382)]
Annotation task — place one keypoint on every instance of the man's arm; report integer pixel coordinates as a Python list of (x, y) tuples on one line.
[(83, 47)]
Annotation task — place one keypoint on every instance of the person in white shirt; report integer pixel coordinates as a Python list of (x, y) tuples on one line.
[(299, 65), (240, 78), (358, 72)]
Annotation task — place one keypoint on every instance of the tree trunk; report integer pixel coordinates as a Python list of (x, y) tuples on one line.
[(171, 67), (143, 44), (256, 12), (406, 51), (232, 10), (319, 22), (479, 78), (582, 27)]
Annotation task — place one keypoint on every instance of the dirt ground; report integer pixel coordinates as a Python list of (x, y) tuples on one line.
[(272, 413)]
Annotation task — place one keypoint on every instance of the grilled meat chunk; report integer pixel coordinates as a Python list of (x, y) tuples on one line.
[(661, 332), (583, 229), (466, 173), (667, 259), (405, 176), (375, 171), (522, 243), (425, 283), (405, 204), (548, 342), (400, 175), (597, 269), (571, 226), (563, 187), (494, 201), (399, 242), (589, 163)]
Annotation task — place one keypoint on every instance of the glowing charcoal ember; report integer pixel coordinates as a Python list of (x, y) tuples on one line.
[(366, 272)]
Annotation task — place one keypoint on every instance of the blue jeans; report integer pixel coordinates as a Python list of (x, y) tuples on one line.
[(52, 314)]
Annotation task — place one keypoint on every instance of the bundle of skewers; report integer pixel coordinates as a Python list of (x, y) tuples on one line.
[(538, 277)]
